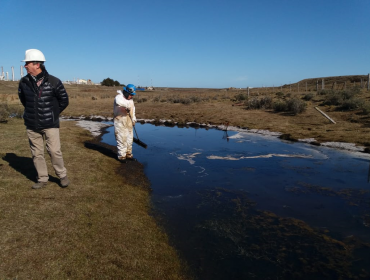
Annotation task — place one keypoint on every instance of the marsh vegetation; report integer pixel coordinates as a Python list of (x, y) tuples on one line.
[(100, 227)]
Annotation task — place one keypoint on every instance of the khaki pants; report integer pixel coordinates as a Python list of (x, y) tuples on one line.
[(36, 139), (124, 135)]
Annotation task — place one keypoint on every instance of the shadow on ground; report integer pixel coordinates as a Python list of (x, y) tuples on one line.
[(24, 165), (132, 171)]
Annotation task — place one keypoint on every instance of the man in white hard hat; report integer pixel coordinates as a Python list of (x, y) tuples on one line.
[(44, 98), (124, 120)]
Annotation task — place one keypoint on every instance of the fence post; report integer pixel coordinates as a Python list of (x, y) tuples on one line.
[(368, 81), (306, 86), (322, 84), (248, 91), (298, 87), (317, 85)]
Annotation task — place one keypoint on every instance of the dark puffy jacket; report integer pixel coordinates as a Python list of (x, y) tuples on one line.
[(43, 104)]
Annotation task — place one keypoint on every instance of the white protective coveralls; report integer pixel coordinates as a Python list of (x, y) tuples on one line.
[(123, 127)]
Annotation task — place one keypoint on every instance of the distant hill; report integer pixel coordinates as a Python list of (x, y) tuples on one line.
[(336, 82)]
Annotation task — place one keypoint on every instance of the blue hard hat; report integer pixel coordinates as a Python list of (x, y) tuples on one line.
[(130, 88)]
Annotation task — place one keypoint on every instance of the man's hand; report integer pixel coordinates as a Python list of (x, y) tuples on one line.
[(128, 110)]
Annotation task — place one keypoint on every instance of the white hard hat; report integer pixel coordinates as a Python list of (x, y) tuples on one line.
[(34, 55)]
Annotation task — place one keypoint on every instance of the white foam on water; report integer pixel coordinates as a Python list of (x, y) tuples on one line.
[(260, 156), (202, 171), (187, 157)]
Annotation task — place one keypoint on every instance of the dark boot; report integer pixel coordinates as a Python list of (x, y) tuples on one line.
[(39, 185), (64, 182)]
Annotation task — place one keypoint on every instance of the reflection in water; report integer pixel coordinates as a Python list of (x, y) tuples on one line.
[(256, 207)]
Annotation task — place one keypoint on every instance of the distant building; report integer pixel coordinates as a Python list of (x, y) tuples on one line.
[(83, 82)]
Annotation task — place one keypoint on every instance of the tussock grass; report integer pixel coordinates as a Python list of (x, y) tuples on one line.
[(98, 227)]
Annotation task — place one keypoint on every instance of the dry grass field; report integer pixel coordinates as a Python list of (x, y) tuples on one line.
[(100, 227), (97, 228), (220, 106)]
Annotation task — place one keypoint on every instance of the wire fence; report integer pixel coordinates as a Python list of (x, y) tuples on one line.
[(318, 84)]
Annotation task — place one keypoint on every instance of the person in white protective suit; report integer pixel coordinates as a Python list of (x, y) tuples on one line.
[(123, 124)]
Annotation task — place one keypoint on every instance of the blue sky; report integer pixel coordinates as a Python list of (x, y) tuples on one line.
[(189, 43)]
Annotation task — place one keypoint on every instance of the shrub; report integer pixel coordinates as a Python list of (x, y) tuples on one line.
[(343, 99), (16, 111), (176, 100), (350, 93), (308, 96), (10, 111), (259, 103), (4, 113), (280, 94), (366, 108), (280, 106), (195, 99), (266, 102), (296, 106), (356, 90), (334, 98), (186, 101), (241, 97), (325, 91), (351, 104)]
